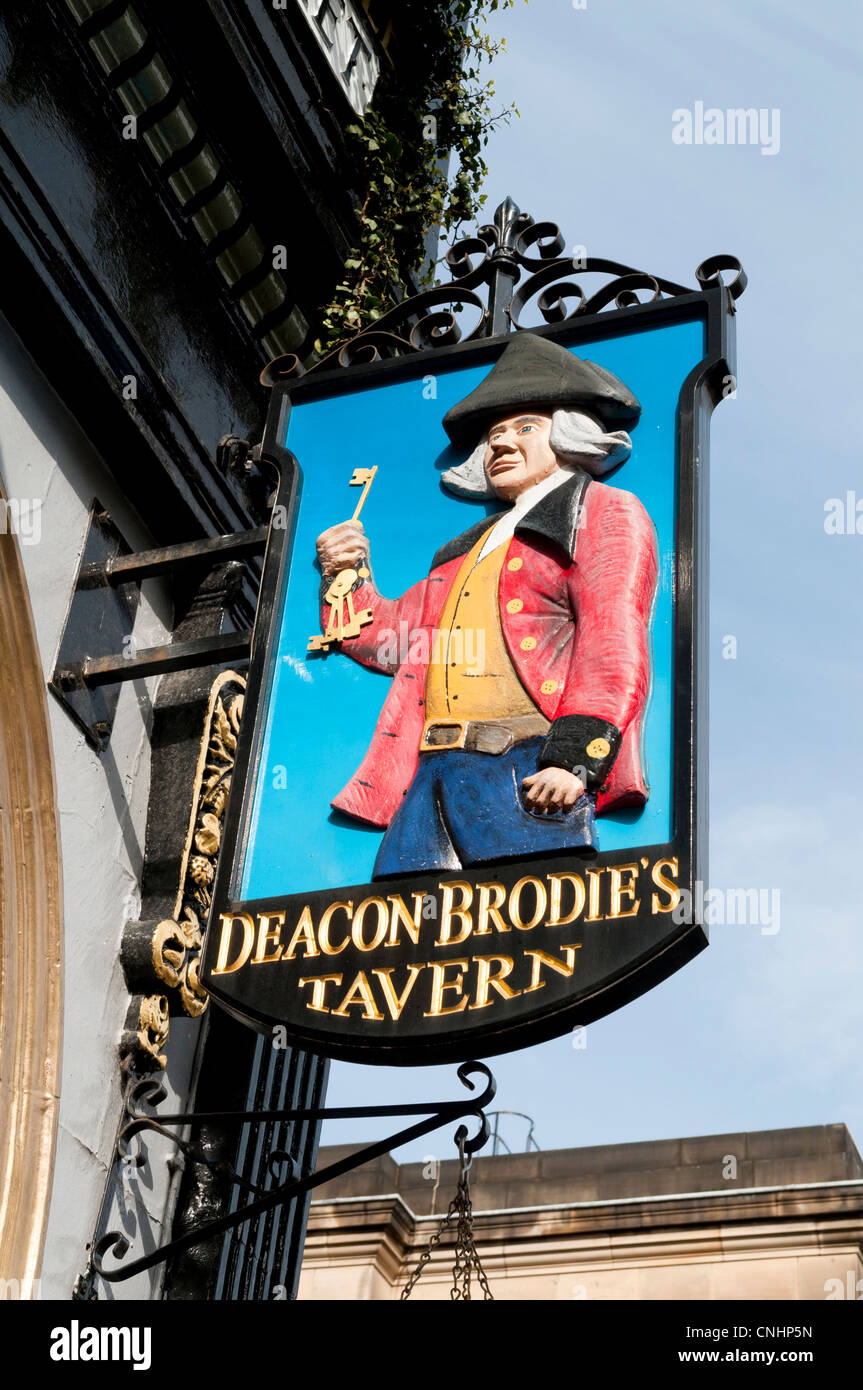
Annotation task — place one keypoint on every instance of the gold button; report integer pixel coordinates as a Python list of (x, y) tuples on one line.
[(598, 748), (515, 564), (527, 644), (548, 687), (515, 605)]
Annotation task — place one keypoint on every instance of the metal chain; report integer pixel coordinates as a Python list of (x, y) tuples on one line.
[(466, 1254)]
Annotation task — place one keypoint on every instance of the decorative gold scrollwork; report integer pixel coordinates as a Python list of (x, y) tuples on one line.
[(154, 1022), (177, 940), (176, 948)]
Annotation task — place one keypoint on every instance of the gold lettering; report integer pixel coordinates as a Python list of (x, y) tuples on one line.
[(228, 919), (489, 909), (515, 903), (304, 935), (619, 889), (319, 988), (486, 981), (593, 912), (360, 992), (266, 937), (557, 881), (666, 884), (440, 983), (396, 1002), (324, 928), (540, 959), (400, 916), (380, 929), (446, 937)]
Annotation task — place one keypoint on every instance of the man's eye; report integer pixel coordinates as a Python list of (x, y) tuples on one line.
[(524, 428)]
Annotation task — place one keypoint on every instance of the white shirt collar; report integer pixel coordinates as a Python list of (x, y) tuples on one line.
[(505, 528)]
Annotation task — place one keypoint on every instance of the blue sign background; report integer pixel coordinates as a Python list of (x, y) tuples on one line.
[(323, 710)]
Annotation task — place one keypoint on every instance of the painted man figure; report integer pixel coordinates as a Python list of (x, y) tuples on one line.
[(470, 764)]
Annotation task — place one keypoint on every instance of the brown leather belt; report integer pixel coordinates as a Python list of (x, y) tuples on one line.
[(481, 735)]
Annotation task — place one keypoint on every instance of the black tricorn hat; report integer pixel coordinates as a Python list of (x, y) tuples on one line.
[(532, 371)]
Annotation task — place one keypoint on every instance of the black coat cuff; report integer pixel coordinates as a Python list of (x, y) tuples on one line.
[(583, 745)]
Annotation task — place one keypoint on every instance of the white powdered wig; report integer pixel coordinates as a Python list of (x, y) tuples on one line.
[(577, 440)]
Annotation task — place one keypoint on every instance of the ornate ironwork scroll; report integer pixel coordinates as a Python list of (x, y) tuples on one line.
[(282, 1182), (165, 955), (495, 259)]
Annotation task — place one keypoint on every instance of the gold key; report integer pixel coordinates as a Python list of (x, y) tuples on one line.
[(362, 477), (340, 591)]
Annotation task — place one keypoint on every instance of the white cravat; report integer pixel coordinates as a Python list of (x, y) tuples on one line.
[(505, 528)]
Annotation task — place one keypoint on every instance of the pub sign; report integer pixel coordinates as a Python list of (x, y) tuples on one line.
[(470, 783)]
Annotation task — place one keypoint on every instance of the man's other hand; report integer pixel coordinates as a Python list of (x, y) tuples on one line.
[(552, 789), (342, 547)]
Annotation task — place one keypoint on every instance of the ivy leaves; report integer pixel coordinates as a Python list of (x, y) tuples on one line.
[(419, 151)]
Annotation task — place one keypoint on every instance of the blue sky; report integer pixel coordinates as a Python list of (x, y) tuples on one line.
[(763, 1030)]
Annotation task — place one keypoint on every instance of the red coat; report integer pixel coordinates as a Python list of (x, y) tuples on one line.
[(586, 584)]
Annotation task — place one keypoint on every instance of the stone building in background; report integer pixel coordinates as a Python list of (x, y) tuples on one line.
[(776, 1214)]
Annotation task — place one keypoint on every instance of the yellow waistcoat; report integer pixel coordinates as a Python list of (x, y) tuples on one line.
[(470, 675)]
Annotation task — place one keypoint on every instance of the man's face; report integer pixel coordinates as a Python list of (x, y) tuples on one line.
[(518, 453)]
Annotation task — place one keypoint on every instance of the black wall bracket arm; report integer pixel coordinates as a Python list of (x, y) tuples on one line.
[(156, 661), (168, 559), (437, 1113), (96, 653)]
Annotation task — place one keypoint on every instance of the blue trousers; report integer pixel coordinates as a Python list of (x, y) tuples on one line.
[(468, 808)]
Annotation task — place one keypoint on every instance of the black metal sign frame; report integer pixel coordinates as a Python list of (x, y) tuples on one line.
[(628, 957)]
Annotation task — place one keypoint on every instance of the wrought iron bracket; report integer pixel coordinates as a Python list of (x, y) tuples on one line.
[(96, 653), (481, 299), (138, 1121)]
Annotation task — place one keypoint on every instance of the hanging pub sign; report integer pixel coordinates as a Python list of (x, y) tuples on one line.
[(468, 802)]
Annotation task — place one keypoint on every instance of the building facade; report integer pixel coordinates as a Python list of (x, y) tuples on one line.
[(776, 1214), (177, 200)]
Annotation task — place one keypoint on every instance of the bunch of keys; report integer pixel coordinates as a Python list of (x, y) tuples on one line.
[(339, 595)]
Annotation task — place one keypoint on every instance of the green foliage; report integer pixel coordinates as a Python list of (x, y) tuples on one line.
[(438, 99)]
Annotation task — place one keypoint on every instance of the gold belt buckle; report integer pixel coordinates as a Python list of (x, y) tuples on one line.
[(439, 734)]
